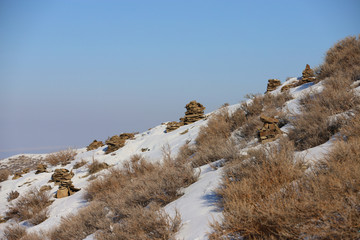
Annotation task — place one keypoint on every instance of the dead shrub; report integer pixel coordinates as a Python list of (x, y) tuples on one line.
[(344, 58), (250, 182), (323, 204), (143, 223), (213, 141), (63, 157), (4, 174), (12, 195), (31, 206), (79, 164), (96, 166), (352, 127), (317, 121), (125, 204), (14, 232), (78, 226)]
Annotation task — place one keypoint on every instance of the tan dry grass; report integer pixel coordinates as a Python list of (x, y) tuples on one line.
[(63, 157), (276, 201), (96, 166), (12, 195), (314, 125), (125, 204), (344, 58), (14, 232), (31, 206), (4, 174)]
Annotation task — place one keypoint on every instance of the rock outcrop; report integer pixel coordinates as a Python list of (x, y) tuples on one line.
[(61, 175), (66, 189), (272, 85), (116, 142), (40, 168), (17, 175), (307, 75), (45, 188), (270, 130), (94, 145), (195, 112), (171, 126)]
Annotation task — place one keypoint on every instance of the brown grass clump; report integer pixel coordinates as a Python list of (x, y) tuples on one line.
[(12, 195), (344, 58), (96, 166), (213, 141), (78, 226), (4, 174), (248, 183), (323, 204), (14, 232), (63, 157), (314, 125), (31, 206), (125, 204), (80, 164), (143, 223)]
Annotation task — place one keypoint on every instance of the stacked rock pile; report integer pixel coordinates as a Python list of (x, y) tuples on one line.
[(66, 188), (60, 175), (94, 145), (307, 75), (272, 85), (270, 130), (195, 112), (63, 177), (40, 168), (116, 142)]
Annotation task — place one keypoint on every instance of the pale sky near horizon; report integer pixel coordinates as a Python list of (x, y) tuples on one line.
[(75, 71)]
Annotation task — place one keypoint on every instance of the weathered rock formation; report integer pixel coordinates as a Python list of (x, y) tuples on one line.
[(195, 112), (45, 188), (94, 145), (66, 189), (40, 168), (270, 130), (307, 75), (272, 85), (171, 126), (288, 86), (17, 175), (116, 142), (61, 175)]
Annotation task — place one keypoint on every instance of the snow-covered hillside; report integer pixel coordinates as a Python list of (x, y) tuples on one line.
[(198, 205)]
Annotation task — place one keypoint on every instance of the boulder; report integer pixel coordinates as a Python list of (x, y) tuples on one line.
[(270, 129), (66, 189), (94, 145), (40, 168), (17, 175), (116, 142), (171, 126), (272, 85), (45, 188)]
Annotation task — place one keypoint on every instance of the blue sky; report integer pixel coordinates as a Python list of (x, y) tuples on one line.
[(75, 71)]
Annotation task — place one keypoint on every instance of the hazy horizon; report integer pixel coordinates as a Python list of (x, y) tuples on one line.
[(75, 71)]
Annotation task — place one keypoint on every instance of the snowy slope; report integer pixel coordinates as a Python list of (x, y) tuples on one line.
[(198, 204)]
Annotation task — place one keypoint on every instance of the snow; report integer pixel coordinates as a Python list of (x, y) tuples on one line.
[(197, 207)]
